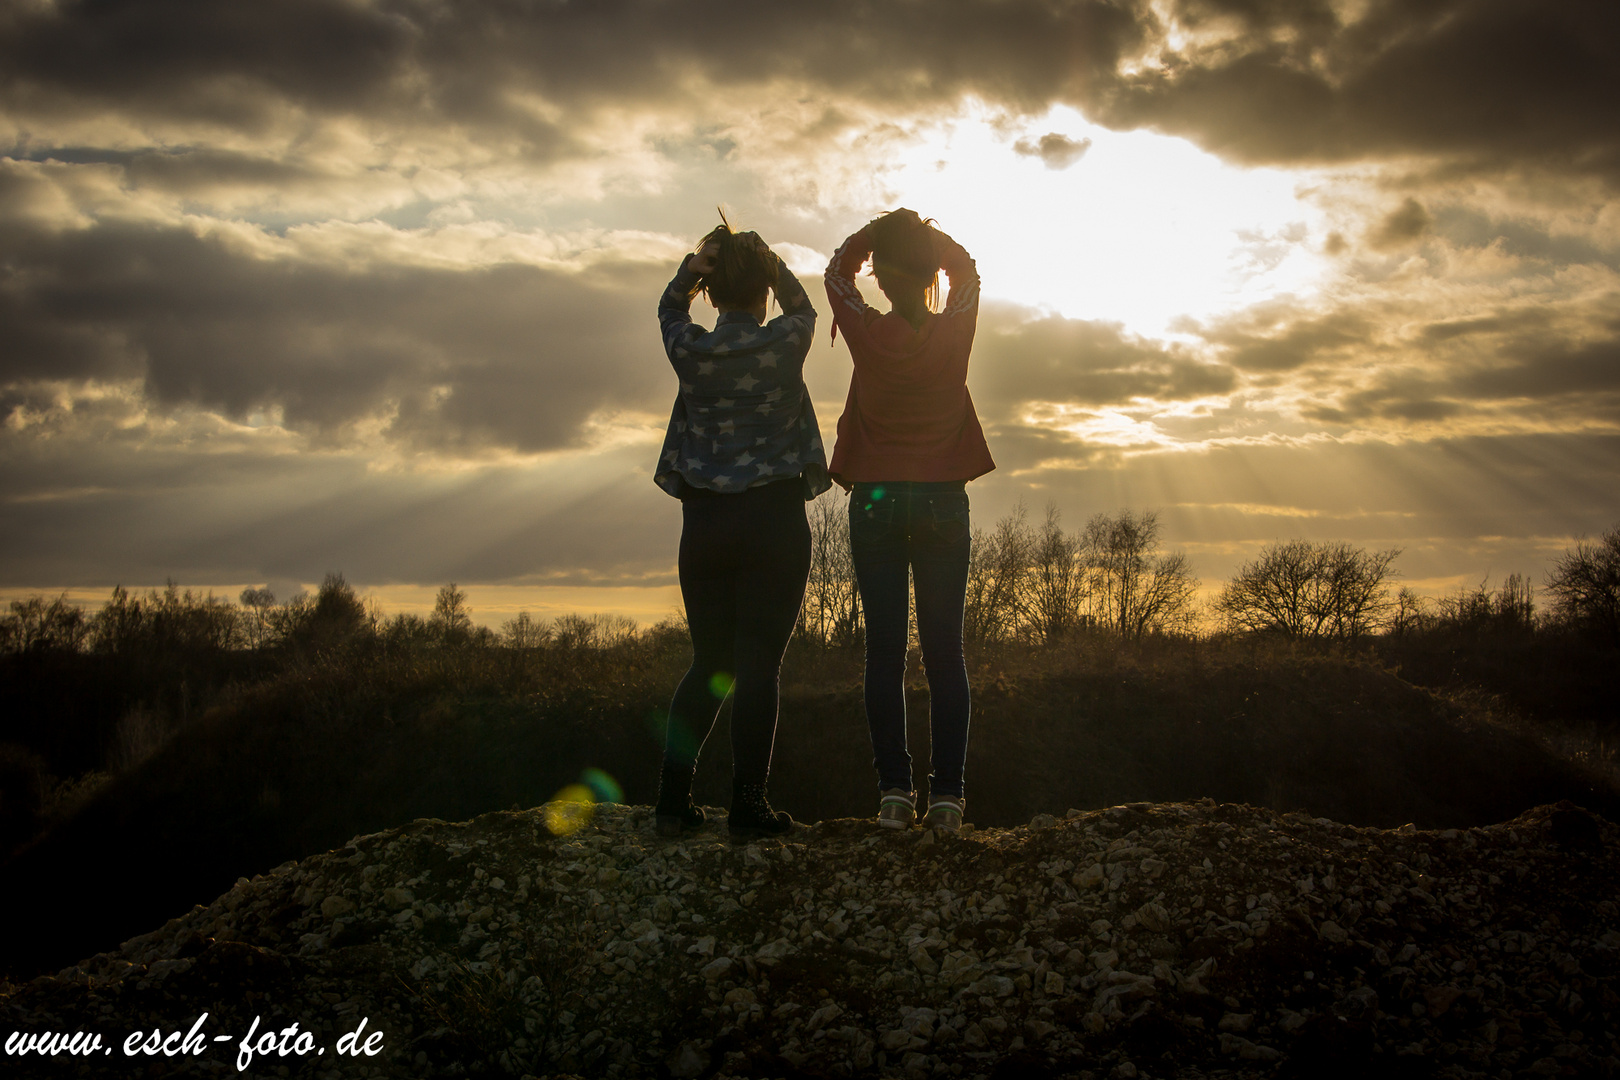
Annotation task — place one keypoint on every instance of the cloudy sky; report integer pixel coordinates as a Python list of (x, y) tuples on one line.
[(369, 285)]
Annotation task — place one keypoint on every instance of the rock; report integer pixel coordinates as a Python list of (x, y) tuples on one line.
[(1042, 821), (1070, 932), (772, 952), (398, 898), (335, 907), (1091, 877), (1438, 999), (1154, 917), (823, 1016), (688, 1061), (1359, 1004), (923, 962)]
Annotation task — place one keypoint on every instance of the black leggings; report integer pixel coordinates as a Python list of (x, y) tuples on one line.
[(744, 561)]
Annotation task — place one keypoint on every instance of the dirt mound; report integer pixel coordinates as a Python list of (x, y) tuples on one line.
[(1141, 940)]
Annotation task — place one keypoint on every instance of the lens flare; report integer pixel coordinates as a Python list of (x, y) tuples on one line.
[(720, 684), (570, 810), (671, 734), (603, 786)]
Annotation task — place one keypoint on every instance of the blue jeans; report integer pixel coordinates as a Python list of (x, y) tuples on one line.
[(923, 527)]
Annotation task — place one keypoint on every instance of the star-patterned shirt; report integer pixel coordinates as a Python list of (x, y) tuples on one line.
[(742, 417)]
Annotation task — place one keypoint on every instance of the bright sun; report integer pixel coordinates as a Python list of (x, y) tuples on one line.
[(1143, 228)]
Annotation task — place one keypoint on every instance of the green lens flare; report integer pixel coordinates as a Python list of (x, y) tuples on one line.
[(877, 495), (603, 786), (673, 735), (720, 684)]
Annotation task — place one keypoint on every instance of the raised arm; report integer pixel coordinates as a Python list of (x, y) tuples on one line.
[(842, 292), (795, 303), (963, 274), (675, 306)]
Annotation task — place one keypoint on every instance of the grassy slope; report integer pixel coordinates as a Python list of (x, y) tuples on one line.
[(301, 763)]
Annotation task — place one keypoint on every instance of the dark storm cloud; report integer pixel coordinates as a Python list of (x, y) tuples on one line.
[(1403, 225), (1057, 150), (511, 356), (1488, 83), (184, 170), (414, 62), (1274, 339), (1552, 363), (1081, 362), (1481, 83)]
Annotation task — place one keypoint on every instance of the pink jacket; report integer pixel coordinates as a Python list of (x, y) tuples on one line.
[(908, 415)]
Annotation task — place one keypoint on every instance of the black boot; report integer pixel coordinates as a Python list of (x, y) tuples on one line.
[(675, 811), (751, 815)]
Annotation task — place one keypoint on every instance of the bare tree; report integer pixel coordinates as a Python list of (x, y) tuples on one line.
[(1132, 588), (451, 618), (166, 621), (1585, 585), (1311, 589), (831, 613), (38, 624), (1512, 607), (1055, 586), (998, 567), (258, 616), (1411, 612), (524, 632)]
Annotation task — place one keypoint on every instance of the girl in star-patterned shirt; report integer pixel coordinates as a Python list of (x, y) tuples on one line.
[(743, 452)]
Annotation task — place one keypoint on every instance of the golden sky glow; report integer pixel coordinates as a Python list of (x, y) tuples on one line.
[(369, 286)]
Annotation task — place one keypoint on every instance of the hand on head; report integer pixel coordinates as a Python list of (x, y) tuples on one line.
[(704, 261), (707, 258)]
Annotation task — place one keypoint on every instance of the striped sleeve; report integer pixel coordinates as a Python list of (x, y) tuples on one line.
[(963, 273), (842, 292)]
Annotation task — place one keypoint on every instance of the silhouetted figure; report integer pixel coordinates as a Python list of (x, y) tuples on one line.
[(743, 454), (908, 442)]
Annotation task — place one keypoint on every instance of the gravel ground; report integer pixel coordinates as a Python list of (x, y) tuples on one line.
[(1148, 940)]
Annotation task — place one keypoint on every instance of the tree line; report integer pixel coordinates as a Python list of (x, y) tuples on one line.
[(1027, 583)]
